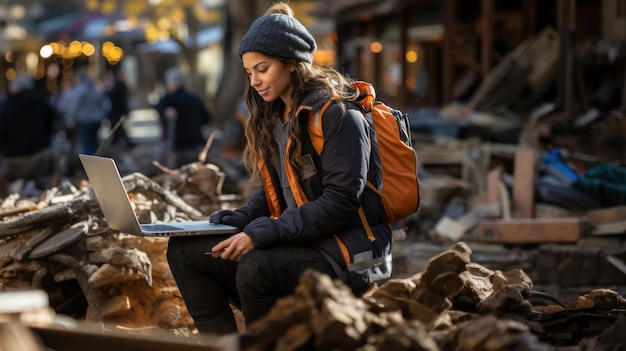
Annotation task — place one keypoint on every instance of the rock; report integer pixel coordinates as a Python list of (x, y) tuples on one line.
[(110, 274)]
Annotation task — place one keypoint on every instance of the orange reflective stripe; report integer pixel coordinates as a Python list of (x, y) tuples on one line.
[(294, 179), (316, 133), (372, 186), (366, 225), (270, 193), (344, 250)]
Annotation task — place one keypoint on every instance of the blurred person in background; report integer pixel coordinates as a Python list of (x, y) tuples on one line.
[(60, 103), (183, 115), (117, 91), (84, 109), (27, 126)]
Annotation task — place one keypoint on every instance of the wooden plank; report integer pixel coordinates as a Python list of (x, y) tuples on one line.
[(524, 184), (530, 231), (607, 214), (494, 178)]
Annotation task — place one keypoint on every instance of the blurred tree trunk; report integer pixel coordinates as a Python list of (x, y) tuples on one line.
[(190, 51), (238, 16)]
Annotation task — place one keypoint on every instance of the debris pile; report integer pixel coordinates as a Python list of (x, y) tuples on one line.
[(454, 304), (60, 243)]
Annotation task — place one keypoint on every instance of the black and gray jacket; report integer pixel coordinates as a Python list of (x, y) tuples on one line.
[(329, 190)]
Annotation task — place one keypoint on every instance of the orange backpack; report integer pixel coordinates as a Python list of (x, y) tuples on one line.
[(399, 189)]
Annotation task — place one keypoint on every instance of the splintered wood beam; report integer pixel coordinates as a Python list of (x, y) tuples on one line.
[(51, 216)]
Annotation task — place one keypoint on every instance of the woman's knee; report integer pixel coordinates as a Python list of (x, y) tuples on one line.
[(251, 264), (192, 247), (179, 251), (174, 250)]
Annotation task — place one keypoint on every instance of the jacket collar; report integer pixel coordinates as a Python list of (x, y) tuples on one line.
[(313, 102)]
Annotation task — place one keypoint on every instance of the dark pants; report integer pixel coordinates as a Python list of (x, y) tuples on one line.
[(253, 284)]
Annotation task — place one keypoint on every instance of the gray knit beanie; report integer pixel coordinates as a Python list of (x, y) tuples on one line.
[(279, 35)]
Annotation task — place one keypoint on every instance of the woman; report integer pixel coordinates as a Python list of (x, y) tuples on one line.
[(305, 215)]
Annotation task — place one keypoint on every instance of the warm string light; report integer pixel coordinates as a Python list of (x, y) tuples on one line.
[(112, 53)]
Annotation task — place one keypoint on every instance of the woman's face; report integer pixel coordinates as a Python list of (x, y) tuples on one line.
[(270, 77)]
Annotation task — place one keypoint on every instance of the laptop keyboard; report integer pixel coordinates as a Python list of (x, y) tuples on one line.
[(160, 227)]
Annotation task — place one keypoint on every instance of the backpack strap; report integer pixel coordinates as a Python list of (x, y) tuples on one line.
[(367, 94), (316, 133), (366, 98), (366, 224)]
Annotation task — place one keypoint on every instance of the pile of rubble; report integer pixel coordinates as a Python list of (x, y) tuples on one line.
[(454, 304), (61, 244)]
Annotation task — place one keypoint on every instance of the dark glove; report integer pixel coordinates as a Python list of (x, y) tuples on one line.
[(235, 218)]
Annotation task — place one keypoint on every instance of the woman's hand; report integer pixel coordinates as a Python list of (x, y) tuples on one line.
[(233, 248), (235, 218)]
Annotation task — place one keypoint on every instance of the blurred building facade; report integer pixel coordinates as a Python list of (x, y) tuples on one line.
[(431, 52), (416, 52), (49, 39)]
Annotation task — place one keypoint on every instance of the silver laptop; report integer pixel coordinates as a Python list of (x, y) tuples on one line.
[(113, 198)]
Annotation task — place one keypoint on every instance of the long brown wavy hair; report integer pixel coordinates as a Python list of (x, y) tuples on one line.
[(307, 79)]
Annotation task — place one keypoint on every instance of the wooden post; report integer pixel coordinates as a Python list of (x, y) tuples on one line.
[(488, 8), (560, 82), (529, 9), (566, 19), (378, 57), (449, 19), (403, 27), (434, 83), (622, 10), (524, 184), (624, 92)]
